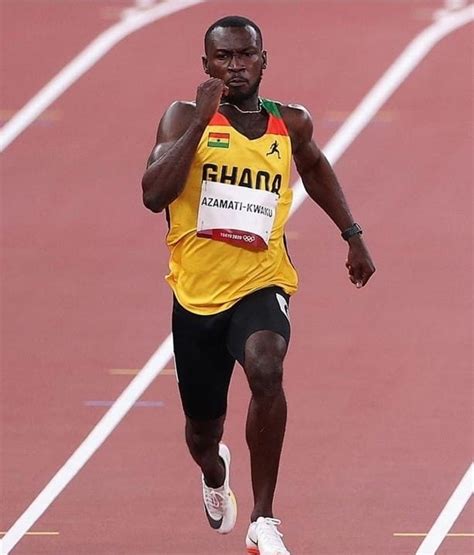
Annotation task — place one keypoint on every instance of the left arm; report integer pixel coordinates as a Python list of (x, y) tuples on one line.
[(322, 186)]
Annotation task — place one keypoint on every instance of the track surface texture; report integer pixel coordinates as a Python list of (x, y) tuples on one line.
[(379, 381)]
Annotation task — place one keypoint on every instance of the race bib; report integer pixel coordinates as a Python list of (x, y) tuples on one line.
[(237, 215)]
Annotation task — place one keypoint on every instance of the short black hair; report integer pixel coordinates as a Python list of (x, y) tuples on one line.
[(234, 21)]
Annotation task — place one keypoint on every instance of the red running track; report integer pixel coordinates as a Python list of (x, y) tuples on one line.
[(378, 381)]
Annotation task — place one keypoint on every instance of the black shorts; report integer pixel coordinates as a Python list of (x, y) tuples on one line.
[(206, 347)]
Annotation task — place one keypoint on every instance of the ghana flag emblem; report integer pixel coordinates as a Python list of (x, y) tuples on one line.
[(218, 140)]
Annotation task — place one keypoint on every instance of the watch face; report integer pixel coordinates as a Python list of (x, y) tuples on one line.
[(350, 231)]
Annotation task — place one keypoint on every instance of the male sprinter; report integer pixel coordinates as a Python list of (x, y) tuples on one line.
[(221, 170)]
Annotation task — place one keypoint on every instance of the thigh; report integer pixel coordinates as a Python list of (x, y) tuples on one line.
[(203, 363), (265, 310)]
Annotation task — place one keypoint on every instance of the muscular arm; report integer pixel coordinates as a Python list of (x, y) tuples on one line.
[(322, 186), (170, 160), (177, 139)]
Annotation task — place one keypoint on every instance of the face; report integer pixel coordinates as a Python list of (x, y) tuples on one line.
[(235, 55)]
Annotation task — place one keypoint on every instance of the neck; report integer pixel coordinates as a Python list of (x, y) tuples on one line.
[(251, 103)]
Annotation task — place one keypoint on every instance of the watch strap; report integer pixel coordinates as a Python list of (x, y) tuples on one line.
[(355, 229)]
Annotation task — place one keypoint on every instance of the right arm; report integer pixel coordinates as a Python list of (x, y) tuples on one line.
[(178, 137)]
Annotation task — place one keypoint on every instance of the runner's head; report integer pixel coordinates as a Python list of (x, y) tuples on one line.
[(234, 53)]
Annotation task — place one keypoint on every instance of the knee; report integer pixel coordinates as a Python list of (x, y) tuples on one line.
[(201, 438), (264, 354), (265, 375)]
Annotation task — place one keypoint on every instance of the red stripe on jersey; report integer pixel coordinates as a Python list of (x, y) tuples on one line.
[(213, 135), (276, 126), (219, 119)]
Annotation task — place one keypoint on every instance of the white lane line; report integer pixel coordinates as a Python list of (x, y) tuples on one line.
[(336, 147), (89, 446), (135, 19), (413, 54), (449, 514)]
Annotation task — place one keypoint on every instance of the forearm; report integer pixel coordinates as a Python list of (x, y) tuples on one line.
[(323, 187), (165, 177)]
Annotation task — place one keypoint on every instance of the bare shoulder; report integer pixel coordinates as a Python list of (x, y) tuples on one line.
[(181, 108), (299, 123), (175, 121), (173, 125)]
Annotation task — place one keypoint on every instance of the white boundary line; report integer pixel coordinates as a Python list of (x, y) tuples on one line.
[(134, 19), (89, 446), (449, 514), (385, 87), (359, 118)]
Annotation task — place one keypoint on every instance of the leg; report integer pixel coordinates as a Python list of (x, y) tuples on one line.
[(202, 438), (258, 338), (204, 369), (266, 419)]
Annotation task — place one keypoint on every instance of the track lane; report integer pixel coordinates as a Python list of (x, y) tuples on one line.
[(404, 410), (39, 38)]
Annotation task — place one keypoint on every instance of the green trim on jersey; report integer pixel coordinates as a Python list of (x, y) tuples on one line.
[(271, 107)]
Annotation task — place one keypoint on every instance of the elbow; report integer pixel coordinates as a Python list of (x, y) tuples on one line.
[(156, 197), (152, 203), (150, 199)]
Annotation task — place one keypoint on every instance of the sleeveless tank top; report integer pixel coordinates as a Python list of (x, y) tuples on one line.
[(209, 273)]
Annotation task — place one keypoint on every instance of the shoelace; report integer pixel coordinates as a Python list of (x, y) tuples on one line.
[(213, 498), (269, 535)]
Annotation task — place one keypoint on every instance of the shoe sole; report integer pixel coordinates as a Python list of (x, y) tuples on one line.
[(253, 551), (231, 524)]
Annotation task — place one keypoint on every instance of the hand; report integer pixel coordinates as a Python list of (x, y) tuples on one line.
[(359, 263), (208, 97)]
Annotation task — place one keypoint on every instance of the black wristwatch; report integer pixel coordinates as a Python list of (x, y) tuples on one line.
[(355, 229)]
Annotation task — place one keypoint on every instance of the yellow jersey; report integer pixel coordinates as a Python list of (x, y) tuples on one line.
[(208, 274)]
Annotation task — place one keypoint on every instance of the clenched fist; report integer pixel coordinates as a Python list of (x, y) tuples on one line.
[(208, 97)]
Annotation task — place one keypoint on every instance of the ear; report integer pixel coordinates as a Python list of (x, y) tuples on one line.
[(265, 59), (204, 65)]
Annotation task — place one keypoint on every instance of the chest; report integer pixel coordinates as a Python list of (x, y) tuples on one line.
[(252, 126)]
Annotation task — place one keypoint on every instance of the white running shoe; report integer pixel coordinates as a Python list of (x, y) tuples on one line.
[(263, 538), (220, 504)]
